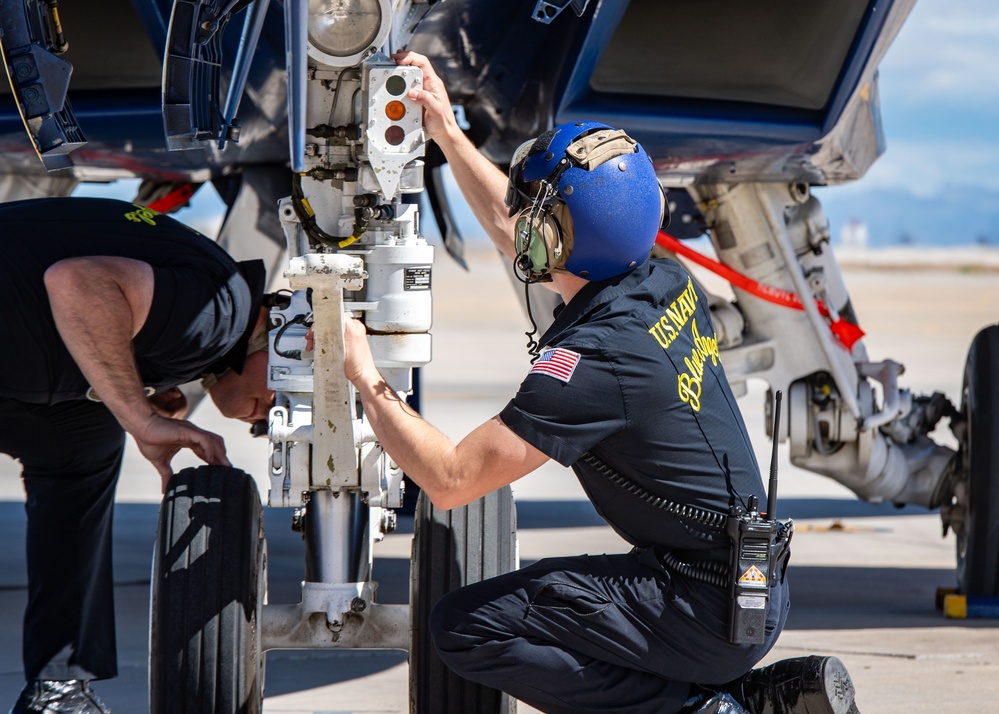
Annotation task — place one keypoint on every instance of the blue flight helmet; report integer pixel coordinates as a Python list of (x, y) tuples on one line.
[(589, 203)]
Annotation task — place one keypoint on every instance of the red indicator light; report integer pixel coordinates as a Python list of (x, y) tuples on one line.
[(395, 135)]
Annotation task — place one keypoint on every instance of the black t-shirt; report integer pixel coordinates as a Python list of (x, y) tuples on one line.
[(203, 309), (631, 372)]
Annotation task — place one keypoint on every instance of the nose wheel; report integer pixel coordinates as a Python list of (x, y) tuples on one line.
[(209, 585), (976, 490)]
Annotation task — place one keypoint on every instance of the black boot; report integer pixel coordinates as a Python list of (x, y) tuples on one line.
[(803, 685)]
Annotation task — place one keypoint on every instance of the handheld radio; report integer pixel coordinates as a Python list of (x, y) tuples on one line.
[(759, 555)]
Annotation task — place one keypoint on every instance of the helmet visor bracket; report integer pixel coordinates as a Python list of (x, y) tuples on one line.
[(516, 199)]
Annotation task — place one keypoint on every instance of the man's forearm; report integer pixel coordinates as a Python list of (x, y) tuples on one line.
[(99, 304), (481, 183), (97, 317), (420, 450), (483, 186), (452, 475)]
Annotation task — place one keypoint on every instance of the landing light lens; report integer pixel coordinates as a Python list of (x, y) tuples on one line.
[(343, 27)]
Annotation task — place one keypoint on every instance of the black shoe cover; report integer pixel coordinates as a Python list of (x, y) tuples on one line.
[(708, 702), (53, 697)]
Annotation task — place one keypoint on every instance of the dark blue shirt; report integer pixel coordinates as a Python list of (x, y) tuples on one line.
[(630, 370), (203, 309)]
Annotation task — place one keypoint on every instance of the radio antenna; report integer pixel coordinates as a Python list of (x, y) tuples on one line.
[(772, 488)]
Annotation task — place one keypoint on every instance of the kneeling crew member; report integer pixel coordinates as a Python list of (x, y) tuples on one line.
[(628, 390)]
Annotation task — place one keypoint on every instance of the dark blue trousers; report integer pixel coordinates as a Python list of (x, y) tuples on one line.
[(71, 455), (607, 633)]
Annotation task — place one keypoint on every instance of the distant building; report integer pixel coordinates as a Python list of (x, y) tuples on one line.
[(853, 234)]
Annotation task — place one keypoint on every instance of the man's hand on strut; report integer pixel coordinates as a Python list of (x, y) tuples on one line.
[(357, 352), (160, 438), (438, 117)]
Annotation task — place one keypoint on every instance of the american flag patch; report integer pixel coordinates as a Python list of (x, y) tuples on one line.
[(557, 363)]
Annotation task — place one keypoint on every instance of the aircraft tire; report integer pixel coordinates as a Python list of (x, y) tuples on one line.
[(978, 549), (451, 549), (208, 588)]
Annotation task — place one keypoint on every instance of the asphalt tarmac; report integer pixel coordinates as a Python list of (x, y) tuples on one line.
[(863, 577)]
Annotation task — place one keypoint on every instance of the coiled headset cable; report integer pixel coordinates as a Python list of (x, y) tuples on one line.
[(704, 516), (707, 571), (533, 346)]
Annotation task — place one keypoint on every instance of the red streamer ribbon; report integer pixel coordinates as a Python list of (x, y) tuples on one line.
[(178, 197), (845, 332)]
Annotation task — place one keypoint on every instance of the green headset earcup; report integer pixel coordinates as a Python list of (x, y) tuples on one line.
[(533, 239)]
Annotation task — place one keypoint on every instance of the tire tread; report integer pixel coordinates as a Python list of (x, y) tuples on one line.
[(452, 549), (206, 587)]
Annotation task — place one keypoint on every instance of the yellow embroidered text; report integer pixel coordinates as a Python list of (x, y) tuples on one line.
[(689, 382), (675, 317), (142, 213)]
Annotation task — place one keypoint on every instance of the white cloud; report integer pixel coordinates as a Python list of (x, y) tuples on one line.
[(940, 100), (945, 51), (927, 167)]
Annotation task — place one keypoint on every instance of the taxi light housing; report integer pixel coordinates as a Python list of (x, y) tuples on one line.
[(342, 31)]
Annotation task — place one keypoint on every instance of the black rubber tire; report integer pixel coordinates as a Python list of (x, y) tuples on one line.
[(208, 587), (451, 549), (978, 549)]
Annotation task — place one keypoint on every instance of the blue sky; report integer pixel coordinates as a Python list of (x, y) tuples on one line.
[(939, 86), (940, 100), (938, 181)]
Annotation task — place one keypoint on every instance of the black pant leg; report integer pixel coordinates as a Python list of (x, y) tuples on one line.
[(71, 454), (565, 635), (584, 634)]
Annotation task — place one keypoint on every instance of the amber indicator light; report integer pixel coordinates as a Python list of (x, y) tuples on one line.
[(395, 110)]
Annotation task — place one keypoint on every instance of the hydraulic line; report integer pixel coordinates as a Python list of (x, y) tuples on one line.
[(307, 217)]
